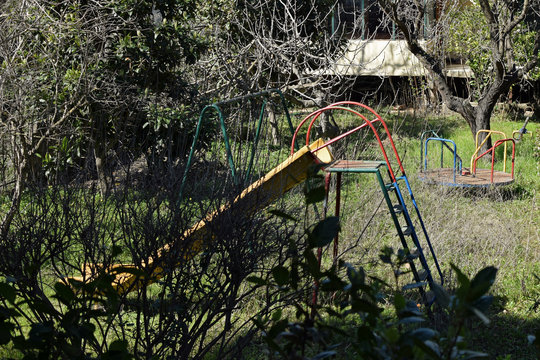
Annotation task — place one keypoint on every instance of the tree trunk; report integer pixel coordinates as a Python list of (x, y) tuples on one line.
[(505, 72), (19, 162), (329, 128), (99, 143), (536, 102), (482, 122), (102, 178), (273, 123)]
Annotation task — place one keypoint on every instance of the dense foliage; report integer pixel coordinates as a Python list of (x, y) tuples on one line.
[(469, 40), (85, 316), (88, 72)]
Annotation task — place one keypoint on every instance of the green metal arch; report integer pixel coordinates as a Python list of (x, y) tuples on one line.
[(217, 108)]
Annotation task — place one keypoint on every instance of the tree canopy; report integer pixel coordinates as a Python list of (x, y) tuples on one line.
[(498, 38)]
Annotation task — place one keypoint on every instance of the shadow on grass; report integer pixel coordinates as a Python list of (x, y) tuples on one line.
[(501, 193), (414, 125), (505, 337)]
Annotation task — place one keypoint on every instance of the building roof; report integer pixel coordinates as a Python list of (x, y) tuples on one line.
[(385, 58)]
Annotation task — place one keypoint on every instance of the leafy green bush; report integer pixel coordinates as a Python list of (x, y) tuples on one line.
[(67, 334), (356, 314), (192, 310)]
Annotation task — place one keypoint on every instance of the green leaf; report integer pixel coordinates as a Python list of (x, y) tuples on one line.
[(282, 215), (482, 282), (312, 264), (462, 278), (257, 280), (469, 354), (118, 349), (294, 276), (386, 255), (116, 250), (277, 328), (281, 275), (87, 330), (424, 334), (315, 195), (441, 296), (483, 303), (412, 320), (19, 342), (118, 345), (324, 232), (41, 332), (7, 292), (356, 277), (464, 283), (331, 284), (64, 293), (399, 302), (414, 285), (365, 333), (429, 347), (6, 329), (276, 315), (392, 334), (479, 314), (361, 305), (324, 355)]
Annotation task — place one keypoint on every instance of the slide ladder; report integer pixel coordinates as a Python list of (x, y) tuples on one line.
[(396, 201), (396, 190), (409, 234)]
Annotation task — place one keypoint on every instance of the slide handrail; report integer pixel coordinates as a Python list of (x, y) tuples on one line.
[(367, 123)]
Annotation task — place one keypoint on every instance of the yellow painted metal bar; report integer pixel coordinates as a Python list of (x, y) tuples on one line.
[(489, 133), (293, 171)]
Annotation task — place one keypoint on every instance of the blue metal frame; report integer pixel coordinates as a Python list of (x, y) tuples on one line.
[(444, 142), (424, 230)]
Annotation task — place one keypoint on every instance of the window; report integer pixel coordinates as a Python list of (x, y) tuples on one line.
[(364, 19)]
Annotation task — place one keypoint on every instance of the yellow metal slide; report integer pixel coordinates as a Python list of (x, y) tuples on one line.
[(293, 171)]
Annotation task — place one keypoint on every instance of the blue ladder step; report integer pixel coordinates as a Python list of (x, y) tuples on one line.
[(398, 209), (423, 274), (407, 230), (414, 253)]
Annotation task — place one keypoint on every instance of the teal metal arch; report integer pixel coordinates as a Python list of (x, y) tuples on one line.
[(216, 107)]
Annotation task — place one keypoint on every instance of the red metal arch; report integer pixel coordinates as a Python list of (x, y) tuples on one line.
[(338, 106)]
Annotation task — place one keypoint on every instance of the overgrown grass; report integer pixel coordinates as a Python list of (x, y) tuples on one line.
[(470, 228)]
